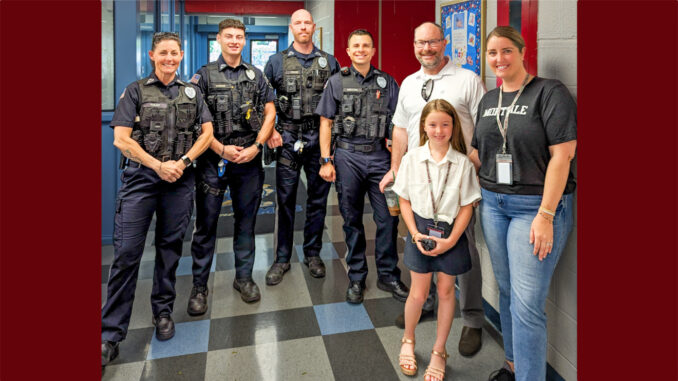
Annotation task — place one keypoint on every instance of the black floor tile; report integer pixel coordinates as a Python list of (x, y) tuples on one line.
[(135, 346), (383, 311), (358, 356), (185, 368), (331, 288), (267, 327)]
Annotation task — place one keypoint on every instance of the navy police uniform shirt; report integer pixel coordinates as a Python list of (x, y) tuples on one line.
[(331, 99), (128, 106), (274, 66), (265, 91)]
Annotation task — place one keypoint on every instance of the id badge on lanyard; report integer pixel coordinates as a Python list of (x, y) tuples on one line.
[(504, 161), (504, 168)]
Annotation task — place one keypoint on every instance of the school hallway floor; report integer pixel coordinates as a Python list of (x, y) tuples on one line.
[(301, 329)]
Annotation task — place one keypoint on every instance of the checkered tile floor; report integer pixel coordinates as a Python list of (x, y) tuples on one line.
[(301, 329)]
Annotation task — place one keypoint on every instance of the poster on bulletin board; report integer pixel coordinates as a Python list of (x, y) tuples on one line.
[(463, 23)]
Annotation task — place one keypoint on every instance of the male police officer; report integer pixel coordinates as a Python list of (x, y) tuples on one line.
[(298, 74), (439, 78), (236, 94), (361, 100)]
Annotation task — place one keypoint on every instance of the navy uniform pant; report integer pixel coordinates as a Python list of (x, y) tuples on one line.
[(245, 182), (287, 182), (359, 173), (141, 195)]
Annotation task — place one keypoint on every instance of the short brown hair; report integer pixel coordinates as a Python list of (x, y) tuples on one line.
[(510, 33), (457, 138), (359, 32), (162, 36), (231, 23)]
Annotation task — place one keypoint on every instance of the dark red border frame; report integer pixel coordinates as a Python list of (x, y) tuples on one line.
[(50, 192)]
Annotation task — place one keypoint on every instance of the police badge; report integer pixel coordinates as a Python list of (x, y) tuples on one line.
[(190, 92), (381, 81), (249, 73), (322, 61)]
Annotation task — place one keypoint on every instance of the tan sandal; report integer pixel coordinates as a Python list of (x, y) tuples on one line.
[(410, 360), (435, 372)]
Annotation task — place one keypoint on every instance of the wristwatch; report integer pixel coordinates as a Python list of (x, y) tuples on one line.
[(325, 160), (187, 160), (259, 146)]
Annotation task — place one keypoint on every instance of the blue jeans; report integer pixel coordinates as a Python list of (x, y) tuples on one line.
[(523, 280)]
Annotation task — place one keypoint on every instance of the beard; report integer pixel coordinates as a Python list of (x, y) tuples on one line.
[(429, 64)]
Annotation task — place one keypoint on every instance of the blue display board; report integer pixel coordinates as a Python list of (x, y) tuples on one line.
[(463, 22)]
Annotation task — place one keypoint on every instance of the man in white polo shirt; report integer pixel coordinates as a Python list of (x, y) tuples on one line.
[(439, 78)]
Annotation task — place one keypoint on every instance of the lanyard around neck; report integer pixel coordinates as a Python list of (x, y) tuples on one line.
[(430, 187), (504, 128)]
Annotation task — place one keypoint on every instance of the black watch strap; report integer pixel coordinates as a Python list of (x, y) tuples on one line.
[(325, 160), (259, 146), (187, 160)]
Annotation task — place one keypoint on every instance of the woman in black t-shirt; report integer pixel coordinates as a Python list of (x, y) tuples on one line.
[(525, 139)]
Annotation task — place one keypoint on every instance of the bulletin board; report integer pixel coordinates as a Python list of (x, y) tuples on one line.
[(463, 23)]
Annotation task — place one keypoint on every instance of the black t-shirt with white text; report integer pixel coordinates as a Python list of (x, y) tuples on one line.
[(544, 115)]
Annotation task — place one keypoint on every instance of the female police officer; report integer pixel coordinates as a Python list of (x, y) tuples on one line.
[(161, 125)]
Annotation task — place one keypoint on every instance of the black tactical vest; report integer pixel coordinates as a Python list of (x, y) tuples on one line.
[(364, 108), (234, 104), (301, 87), (165, 128)]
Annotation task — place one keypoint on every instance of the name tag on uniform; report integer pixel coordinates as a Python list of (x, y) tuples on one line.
[(504, 169)]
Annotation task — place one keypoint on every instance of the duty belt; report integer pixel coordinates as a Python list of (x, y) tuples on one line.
[(243, 141), (305, 125), (203, 186), (133, 164), (376, 146)]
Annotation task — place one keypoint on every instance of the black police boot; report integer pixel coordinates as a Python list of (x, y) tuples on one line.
[(197, 304), (109, 351), (249, 291), (164, 327), (316, 266), (396, 288), (354, 293), (276, 272)]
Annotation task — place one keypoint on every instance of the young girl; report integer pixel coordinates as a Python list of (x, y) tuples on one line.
[(437, 186)]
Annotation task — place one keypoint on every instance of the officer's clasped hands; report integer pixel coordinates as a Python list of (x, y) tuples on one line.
[(170, 170)]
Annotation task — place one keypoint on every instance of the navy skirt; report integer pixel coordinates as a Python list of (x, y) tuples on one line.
[(455, 261)]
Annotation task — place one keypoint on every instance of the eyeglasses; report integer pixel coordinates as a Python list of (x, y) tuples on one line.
[(433, 43), (427, 89)]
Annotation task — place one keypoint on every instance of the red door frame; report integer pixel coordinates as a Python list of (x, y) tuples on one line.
[(528, 25)]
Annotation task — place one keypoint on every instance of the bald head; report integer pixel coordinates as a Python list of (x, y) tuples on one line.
[(301, 14), (302, 27)]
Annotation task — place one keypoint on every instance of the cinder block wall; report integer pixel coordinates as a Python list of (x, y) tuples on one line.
[(323, 15), (557, 58)]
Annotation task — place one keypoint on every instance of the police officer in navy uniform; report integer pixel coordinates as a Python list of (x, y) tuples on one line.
[(161, 125), (361, 100), (241, 102), (298, 74)]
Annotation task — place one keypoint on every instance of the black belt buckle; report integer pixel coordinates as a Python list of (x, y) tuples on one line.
[(364, 148)]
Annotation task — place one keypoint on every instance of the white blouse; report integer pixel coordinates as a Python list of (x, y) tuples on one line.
[(412, 182)]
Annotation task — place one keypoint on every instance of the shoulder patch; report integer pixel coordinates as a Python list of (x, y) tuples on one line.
[(345, 70), (150, 80), (195, 79), (123, 93), (290, 53)]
